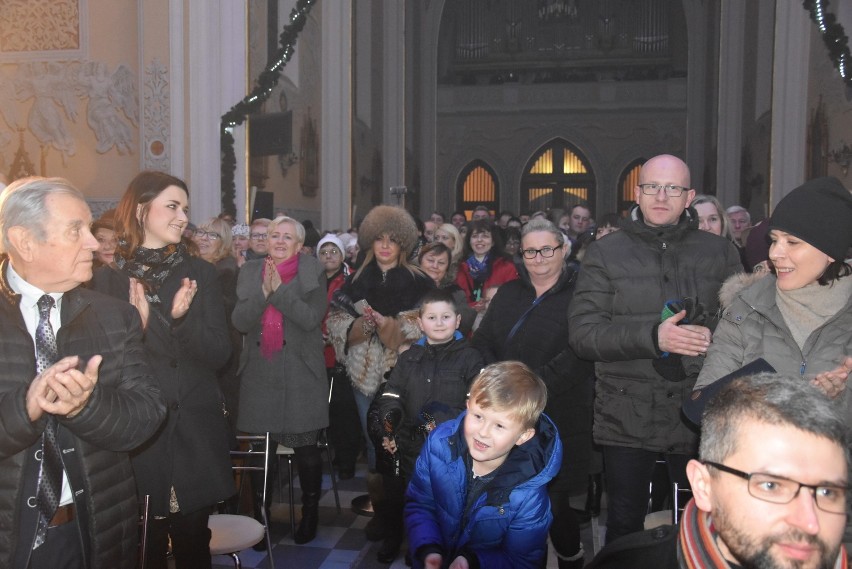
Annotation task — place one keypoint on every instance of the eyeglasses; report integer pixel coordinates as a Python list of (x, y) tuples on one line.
[(546, 252), (258, 236), (780, 490), (330, 252), (671, 190), (211, 235)]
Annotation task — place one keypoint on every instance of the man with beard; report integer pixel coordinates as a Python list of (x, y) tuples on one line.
[(769, 488)]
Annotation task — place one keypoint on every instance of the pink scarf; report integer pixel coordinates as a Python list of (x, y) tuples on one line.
[(272, 321)]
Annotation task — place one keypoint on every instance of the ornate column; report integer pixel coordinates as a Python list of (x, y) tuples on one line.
[(336, 123), (217, 33), (393, 76), (730, 128), (789, 99)]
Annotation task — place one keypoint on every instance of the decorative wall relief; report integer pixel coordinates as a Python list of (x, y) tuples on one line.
[(52, 87), (43, 29), (112, 103), (157, 117), (55, 89)]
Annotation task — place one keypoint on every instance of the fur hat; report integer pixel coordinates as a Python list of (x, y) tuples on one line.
[(819, 212), (394, 221)]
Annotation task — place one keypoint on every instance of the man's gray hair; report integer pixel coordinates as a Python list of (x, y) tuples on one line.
[(539, 224), (773, 399), (738, 209), (24, 203)]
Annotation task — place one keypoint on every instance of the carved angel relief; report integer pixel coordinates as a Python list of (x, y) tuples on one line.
[(55, 89)]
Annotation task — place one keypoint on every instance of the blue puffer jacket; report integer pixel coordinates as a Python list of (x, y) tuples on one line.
[(508, 524)]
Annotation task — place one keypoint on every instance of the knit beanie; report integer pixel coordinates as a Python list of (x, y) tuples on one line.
[(820, 213), (331, 238), (394, 221)]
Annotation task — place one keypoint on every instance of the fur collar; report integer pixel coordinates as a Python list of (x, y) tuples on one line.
[(735, 284)]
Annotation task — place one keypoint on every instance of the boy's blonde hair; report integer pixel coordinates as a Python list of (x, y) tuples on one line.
[(511, 387)]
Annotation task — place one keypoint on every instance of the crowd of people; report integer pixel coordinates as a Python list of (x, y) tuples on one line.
[(488, 366)]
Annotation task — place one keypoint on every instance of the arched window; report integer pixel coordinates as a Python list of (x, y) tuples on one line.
[(477, 185), (556, 177), (627, 183)]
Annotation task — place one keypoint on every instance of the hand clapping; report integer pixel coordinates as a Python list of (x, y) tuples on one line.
[(271, 278), (62, 389), (183, 298)]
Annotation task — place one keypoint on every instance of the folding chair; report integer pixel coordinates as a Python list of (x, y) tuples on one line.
[(230, 534)]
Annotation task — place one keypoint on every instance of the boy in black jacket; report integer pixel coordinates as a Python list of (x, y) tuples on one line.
[(428, 386)]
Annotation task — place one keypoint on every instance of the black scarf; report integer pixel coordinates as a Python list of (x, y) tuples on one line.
[(152, 266)]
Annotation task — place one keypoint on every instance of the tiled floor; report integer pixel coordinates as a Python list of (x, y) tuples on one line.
[(340, 541)]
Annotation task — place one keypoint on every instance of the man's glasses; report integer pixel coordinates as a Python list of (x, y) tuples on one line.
[(546, 252), (333, 252), (780, 490), (671, 190), (211, 235), (258, 236)]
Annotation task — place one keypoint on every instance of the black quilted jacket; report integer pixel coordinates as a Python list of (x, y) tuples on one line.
[(123, 411)]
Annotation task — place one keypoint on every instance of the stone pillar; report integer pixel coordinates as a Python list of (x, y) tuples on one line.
[(730, 128), (393, 65), (336, 123), (789, 99)]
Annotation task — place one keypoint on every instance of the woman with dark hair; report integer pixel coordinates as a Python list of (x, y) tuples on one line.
[(799, 318), (281, 301), (373, 318), (485, 263), (185, 468)]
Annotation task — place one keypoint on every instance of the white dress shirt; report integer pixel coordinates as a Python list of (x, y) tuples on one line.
[(29, 310)]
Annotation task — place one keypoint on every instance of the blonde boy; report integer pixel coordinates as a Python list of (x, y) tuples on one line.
[(478, 496)]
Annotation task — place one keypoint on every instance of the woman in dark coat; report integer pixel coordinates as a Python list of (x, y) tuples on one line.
[(185, 467), (528, 321), (281, 302), (373, 319)]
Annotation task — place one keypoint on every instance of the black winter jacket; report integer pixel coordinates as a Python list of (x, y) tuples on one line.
[(191, 450), (123, 411), (625, 281), (542, 343), (426, 379)]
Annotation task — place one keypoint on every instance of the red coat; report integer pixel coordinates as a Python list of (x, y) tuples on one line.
[(502, 271)]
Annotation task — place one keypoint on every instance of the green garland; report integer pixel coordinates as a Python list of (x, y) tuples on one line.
[(834, 37), (251, 104)]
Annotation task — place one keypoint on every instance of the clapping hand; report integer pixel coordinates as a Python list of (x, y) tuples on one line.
[(183, 298), (137, 298), (62, 389), (833, 382), (271, 278)]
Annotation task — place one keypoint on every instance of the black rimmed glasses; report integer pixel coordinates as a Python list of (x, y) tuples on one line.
[(780, 490), (331, 252), (545, 252), (211, 235), (258, 236), (671, 190)]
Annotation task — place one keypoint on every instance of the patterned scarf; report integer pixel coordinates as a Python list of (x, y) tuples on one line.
[(152, 266), (272, 322), (697, 548), (478, 269)]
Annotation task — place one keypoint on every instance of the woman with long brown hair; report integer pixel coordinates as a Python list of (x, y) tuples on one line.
[(185, 466)]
